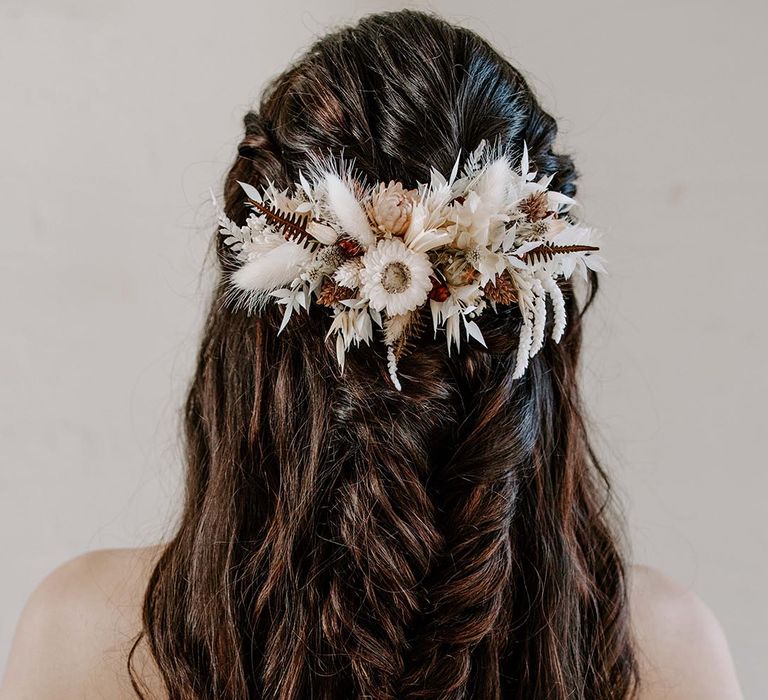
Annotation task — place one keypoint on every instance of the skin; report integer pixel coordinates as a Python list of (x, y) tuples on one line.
[(76, 630)]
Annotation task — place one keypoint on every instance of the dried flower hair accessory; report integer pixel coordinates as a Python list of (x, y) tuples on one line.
[(488, 235)]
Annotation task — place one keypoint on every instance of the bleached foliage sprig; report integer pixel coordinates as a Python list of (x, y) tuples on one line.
[(489, 234)]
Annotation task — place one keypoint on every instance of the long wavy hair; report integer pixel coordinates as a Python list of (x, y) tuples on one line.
[(341, 539)]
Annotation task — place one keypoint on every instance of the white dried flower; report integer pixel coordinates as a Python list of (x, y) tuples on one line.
[(394, 278), (348, 274), (390, 208)]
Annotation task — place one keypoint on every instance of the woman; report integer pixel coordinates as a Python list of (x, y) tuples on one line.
[(381, 513)]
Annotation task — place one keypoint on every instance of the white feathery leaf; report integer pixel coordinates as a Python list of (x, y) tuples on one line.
[(539, 317), (321, 232), (305, 185), (453, 332), (392, 368), (251, 191), (336, 325), (524, 162), (558, 306), (340, 350), (376, 317), (488, 202), (286, 317), (363, 327), (523, 349), (595, 262), (557, 201), (454, 170), (423, 240), (435, 308), (473, 331), (472, 164)]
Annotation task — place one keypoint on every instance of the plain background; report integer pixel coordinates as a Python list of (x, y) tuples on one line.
[(117, 117)]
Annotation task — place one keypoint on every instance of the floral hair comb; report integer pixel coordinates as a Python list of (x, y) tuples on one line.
[(484, 236)]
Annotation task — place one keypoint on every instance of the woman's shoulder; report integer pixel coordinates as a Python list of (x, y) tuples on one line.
[(79, 624), (681, 648), (77, 628)]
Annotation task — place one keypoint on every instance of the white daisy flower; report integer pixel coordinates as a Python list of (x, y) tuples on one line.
[(395, 278)]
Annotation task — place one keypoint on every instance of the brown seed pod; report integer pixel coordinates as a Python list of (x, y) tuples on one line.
[(501, 290), (350, 247), (534, 206), (332, 293), (439, 291)]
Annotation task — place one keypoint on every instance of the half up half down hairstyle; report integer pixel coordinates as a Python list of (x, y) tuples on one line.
[(341, 539)]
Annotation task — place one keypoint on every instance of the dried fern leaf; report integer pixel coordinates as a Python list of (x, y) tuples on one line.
[(547, 251), (293, 225)]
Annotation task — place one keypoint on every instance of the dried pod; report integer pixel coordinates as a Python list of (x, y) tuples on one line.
[(501, 290), (350, 247), (332, 293), (534, 206), (439, 291)]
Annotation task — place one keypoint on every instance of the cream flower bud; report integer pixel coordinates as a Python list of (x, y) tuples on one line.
[(390, 208)]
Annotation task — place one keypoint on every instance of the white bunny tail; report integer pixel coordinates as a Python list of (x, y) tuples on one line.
[(346, 208), (271, 270), (494, 184)]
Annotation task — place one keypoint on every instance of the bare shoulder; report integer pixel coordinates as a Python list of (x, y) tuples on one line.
[(74, 635), (683, 653)]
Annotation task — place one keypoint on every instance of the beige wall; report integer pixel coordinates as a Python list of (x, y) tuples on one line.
[(117, 117)]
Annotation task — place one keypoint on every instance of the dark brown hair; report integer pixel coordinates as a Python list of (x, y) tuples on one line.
[(341, 539)]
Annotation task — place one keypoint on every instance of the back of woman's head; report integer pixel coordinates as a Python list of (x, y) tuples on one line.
[(341, 538)]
